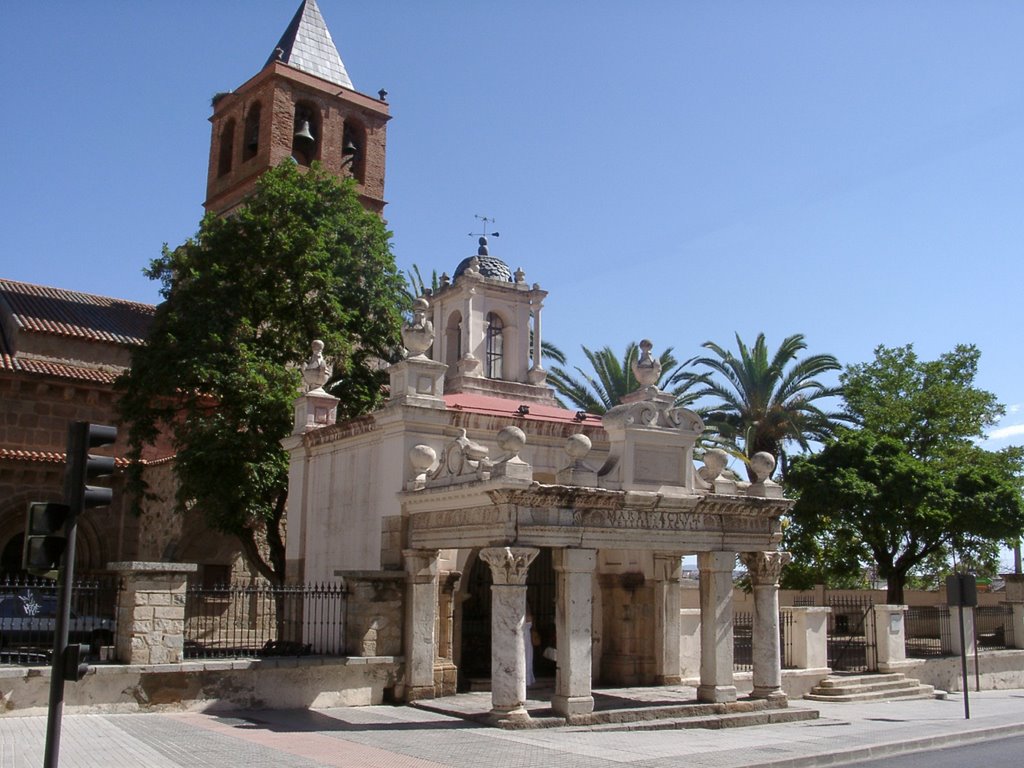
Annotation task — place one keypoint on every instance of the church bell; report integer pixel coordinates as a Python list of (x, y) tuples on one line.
[(304, 132)]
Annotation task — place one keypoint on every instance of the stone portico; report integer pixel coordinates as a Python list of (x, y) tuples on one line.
[(472, 469)]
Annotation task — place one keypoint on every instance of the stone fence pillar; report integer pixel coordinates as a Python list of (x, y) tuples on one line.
[(951, 643), (808, 636), (1015, 599), (151, 612), (889, 651)]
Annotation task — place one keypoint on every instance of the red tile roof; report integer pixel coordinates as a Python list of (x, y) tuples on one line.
[(41, 309), (58, 369), (499, 406), (55, 457)]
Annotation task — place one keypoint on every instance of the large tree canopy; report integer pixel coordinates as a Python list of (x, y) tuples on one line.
[(244, 299), (909, 484)]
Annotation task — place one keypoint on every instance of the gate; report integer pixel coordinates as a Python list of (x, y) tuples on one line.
[(848, 637)]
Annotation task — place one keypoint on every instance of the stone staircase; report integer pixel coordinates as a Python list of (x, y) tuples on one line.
[(873, 687)]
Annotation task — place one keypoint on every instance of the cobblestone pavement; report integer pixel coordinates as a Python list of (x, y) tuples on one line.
[(404, 737)]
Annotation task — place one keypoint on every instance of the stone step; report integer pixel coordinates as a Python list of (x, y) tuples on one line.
[(713, 721), (919, 692), (843, 680), (843, 690)]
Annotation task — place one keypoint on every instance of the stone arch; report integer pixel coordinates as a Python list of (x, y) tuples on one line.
[(453, 338), (251, 135)]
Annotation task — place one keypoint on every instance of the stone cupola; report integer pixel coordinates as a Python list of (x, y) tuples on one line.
[(488, 332)]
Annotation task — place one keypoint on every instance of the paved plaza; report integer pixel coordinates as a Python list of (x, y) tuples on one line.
[(407, 737)]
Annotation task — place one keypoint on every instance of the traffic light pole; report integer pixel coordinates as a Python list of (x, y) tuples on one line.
[(79, 496), (55, 711)]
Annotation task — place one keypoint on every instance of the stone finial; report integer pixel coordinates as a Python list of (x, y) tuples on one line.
[(445, 280), (316, 370), (508, 465), (520, 275), (762, 464), (646, 368), (715, 460), (422, 457), (577, 472), (418, 334)]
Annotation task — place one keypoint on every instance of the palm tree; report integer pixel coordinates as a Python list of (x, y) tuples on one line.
[(613, 378), (764, 403)]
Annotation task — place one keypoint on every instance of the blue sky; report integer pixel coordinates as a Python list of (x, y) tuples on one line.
[(674, 170)]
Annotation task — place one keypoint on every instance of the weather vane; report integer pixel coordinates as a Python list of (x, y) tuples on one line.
[(485, 221)]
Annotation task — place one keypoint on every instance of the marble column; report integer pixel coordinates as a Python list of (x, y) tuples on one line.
[(509, 566), (716, 650), (574, 607), (667, 603), (420, 622), (764, 569)]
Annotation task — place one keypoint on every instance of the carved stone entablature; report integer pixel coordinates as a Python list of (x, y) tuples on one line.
[(765, 568), (509, 565)]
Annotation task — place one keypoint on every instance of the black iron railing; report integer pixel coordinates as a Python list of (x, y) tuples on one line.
[(28, 618), (924, 630), (239, 620)]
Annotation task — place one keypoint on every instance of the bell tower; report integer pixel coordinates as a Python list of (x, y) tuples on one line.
[(301, 107)]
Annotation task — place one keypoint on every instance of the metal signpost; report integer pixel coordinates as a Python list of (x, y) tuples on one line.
[(962, 592)]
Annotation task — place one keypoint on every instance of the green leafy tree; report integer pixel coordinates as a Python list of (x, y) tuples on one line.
[(909, 485), (760, 403), (243, 300), (612, 378)]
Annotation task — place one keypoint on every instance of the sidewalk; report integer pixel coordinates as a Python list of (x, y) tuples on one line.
[(405, 737)]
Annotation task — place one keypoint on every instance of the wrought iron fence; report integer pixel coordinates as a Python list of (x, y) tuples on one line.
[(238, 620), (848, 640), (28, 618), (743, 640), (786, 630), (993, 626), (926, 632)]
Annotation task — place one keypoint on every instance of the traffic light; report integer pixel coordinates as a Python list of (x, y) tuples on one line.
[(83, 467), (44, 537), (73, 664)]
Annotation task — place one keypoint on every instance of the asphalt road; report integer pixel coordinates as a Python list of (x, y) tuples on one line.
[(996, 753)]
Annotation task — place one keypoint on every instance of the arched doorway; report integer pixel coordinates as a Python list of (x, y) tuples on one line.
[(475, 651)]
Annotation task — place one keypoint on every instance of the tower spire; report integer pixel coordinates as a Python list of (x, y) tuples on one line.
[(307, 45)]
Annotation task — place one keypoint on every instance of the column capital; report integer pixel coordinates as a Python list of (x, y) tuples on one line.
[(509, 565), (421, 563), (716, 561), (765, 568)]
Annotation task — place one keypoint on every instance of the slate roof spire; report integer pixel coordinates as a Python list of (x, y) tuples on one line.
[(307, 45)]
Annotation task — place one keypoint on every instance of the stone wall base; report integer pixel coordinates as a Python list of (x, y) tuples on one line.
[(278, 683)]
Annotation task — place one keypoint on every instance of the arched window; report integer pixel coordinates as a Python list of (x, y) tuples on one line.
[(353, 149), (495, 346), (306, 134), (453, 339), (227, 148), (252, 133)]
